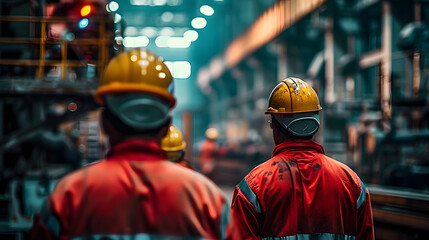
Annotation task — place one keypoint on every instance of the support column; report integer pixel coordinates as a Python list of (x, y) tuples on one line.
[(329, 62), (386, 65)]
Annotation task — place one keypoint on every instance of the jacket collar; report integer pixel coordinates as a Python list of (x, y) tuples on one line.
[(137, 149), (297, 145)]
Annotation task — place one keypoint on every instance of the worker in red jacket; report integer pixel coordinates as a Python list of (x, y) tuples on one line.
[(135, 193), (300, 193)]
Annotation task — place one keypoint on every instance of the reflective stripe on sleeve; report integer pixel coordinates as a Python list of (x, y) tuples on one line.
[(49, 219), (314, 236), (362, 194), (249, 194), (140, 236)]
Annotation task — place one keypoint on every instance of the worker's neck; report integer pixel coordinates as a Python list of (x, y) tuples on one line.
[(117, 140)]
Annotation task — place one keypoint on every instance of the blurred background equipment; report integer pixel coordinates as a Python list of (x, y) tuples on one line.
[(367, 61)]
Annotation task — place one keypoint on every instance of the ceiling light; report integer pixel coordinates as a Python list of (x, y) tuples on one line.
[(178, 42), (191, 35), (113, 6), (140, 41), (199, 22), (118, 18), (167, 17), (206, 10), (167, 31), (162, 41), (150, 32)]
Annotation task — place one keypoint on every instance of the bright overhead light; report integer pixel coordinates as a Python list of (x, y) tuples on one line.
[(113, 6), (167, 31), (174, 2), (178, 42), (159, 2), (140, 41), (199, 23), (179, 69), (191, 35), (150, 32), (130, 31), (167, 16), (139, 2), (162, 41), (118, 18), (206, 10)]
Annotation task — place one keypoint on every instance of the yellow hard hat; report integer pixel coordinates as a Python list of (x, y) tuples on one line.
[(137, 71), (293, 95), (173, 141), (295, 105)]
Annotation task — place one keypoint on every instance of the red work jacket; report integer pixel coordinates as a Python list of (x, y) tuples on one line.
[(135, 194), (302, 194)]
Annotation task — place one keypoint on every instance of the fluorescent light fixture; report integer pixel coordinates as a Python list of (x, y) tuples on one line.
[(191, 35), (174, 2), (150, 32), (130, 31), (162, 41), (113, 6), (199, 23), (140, 2), (167, 31), (178, 42), (118, 18), (140, 41), (206, 10), (179, 69), (159, 2), (167, 16), (169, 65)]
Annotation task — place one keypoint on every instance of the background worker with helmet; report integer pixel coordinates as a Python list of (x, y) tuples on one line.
[(209, 150), (174, 147), (135, 193), (300, 193)]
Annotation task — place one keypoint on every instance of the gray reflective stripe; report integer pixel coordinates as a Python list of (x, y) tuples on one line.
[(49, 219), (362, 194), (314, 236), (139, 236), (224, 221), (249, 194)]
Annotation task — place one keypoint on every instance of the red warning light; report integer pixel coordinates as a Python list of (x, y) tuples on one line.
[(85, 10), (72, 107)]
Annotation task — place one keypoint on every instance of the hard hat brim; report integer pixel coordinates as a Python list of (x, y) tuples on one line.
[(132, 88)]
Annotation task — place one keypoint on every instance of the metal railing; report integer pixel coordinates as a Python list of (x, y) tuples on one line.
[(103, 40)]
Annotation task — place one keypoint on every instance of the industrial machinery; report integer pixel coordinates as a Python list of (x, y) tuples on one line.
[(51, 57)]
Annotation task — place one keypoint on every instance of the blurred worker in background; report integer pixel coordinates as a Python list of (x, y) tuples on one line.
[(174, 147), (135, 193), (300, 192), (208, 152)]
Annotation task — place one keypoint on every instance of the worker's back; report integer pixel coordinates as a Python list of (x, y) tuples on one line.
[(300, 191), (135, 192)]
